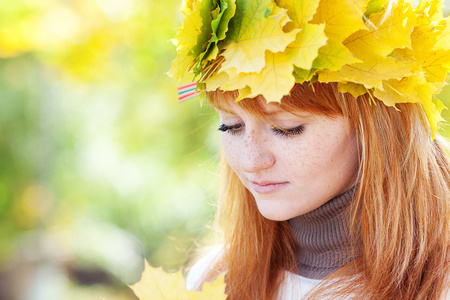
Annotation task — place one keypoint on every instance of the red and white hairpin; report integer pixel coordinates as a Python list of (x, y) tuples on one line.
[(187, 91)]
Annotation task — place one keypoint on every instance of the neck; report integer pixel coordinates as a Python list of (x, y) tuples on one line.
[(322, 237)]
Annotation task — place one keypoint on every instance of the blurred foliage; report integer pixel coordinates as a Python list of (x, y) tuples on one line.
[(97, 158), (99, 165)]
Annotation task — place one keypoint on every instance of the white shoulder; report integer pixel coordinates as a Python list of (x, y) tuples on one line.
[(295, 286), (446, 295), (203, 269)]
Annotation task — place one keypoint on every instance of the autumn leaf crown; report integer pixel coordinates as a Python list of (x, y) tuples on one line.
[(396, 52)]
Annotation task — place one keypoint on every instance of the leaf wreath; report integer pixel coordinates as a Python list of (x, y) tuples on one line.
[(264, 47)]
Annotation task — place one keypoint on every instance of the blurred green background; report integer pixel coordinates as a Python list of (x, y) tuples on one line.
[(100, 167)]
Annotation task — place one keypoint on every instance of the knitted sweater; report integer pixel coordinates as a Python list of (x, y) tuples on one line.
[(322, 237)]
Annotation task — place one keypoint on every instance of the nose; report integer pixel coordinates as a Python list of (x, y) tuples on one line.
[(256, 154)]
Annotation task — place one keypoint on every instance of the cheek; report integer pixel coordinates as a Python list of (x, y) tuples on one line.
[(304, 153), (337, 157), (231, 151), (318, 153)]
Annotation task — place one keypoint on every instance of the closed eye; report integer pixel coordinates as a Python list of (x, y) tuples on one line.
[(237, 128), (232, 129), (288, 132)]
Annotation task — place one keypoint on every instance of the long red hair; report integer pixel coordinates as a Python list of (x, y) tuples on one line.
[(401, 212)]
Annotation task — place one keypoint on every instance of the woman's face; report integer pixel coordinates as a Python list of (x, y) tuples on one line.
[(291, 171)]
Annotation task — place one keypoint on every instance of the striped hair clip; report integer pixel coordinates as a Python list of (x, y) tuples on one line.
[(187, 91)]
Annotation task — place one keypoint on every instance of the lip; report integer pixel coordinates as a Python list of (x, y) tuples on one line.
[(267, 187)]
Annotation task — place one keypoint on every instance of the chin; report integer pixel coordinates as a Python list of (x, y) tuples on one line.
[(279, 210), (274, 213), (273, 217)]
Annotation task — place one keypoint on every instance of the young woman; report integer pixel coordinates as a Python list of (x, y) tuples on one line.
[(335, 184)]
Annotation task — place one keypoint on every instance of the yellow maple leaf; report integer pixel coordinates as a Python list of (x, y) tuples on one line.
[(353, 88), (244, 93), (299, 11), (413, 90), (342, 18), (304, 50), (430, 46), (276, 78), (187, 6), (217, 80), (431, 8), (425, 36), (378, 41), (256, 28), (210, 291), (406, 90), (370, 74), (442, 42), (333, 56), (273, 82), (180, 64), (433, 111), (155, 284), (437, 66)]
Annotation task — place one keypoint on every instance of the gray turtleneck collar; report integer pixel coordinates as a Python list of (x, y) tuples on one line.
[(322, 237)]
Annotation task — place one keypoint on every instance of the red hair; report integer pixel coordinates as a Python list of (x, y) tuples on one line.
[(401, 212)]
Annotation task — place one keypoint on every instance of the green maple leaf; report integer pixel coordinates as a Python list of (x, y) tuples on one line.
[(302, 75), (375, 6), (220, 25), (222, 15)]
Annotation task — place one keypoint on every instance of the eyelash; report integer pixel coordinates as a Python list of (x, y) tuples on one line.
[(235, 129)]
